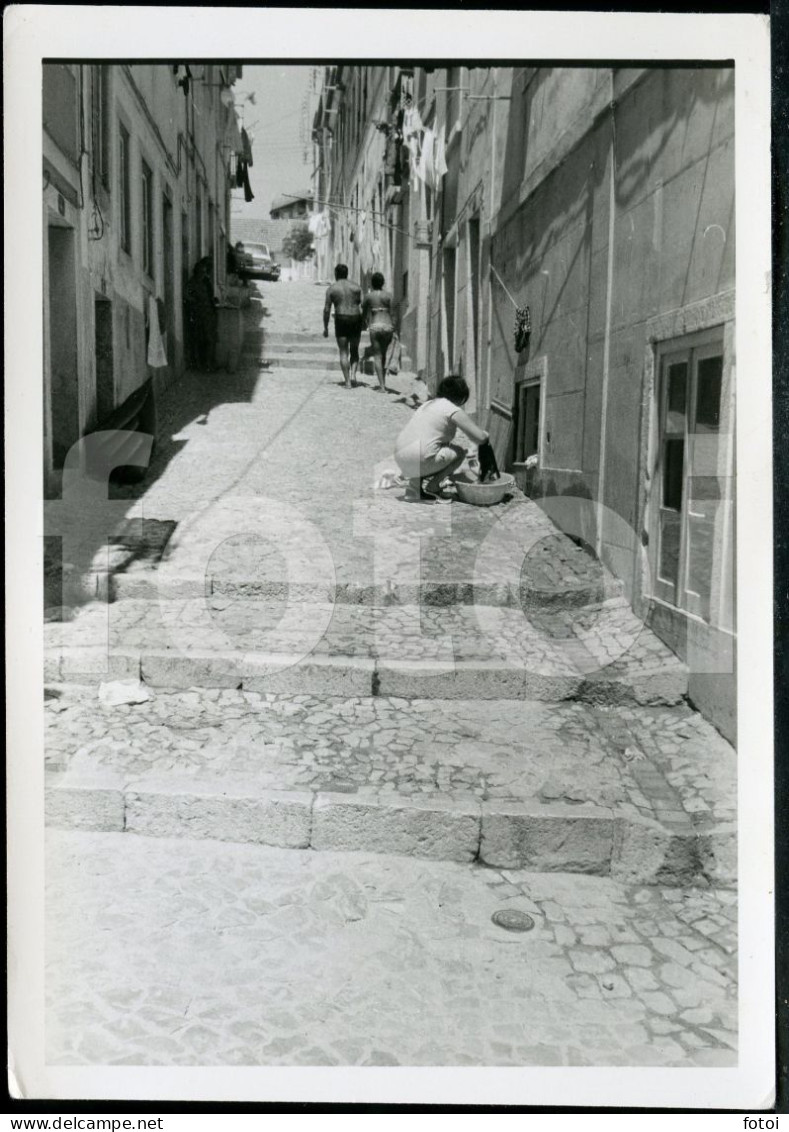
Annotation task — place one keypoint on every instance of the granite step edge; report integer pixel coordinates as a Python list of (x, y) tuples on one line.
[(501, 834)]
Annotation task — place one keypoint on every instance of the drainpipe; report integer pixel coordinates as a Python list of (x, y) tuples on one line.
[(607, 339)]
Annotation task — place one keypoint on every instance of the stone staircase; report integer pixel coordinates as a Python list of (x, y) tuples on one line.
[(388, 694), (304, 350)]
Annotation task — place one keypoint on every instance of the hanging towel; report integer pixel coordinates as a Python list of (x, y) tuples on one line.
[(157, 355), (412, 131), (440, 162), (426, 167), (412, 125)]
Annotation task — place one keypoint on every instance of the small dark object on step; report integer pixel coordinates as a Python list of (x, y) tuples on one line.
[(512, 920)]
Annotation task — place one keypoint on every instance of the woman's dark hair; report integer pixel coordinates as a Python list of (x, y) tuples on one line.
[(377, 281), (454, 388)]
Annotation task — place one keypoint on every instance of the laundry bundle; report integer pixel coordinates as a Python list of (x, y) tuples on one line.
[(522, 328)]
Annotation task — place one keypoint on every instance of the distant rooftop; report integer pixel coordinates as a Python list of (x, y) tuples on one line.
[(288, 200)]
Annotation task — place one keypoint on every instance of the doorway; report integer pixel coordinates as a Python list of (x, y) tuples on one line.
[(449, 309), (527, 420), (473, 267), (692, 528), (105, 368), (64, 381), (168, 259)]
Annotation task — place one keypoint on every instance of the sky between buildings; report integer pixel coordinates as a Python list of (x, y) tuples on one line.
[(281, 120)]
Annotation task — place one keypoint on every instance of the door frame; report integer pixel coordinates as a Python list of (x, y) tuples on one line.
[(705, 327)]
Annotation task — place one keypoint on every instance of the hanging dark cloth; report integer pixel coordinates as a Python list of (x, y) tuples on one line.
[(182, 74), (240, 166), (248, 194), (488, 468), (247, 147)]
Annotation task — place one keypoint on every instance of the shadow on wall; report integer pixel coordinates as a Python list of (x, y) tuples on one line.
[(545, 487)]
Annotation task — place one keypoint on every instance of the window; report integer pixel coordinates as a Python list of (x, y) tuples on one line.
[(527, 426), (694, 498), (124, 178), (147, 220), (99, 124)]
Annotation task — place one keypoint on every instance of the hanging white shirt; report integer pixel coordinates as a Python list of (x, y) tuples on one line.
[(425, 170), (440, 162)]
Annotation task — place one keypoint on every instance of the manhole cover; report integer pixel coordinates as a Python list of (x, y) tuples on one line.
[(513, 921)]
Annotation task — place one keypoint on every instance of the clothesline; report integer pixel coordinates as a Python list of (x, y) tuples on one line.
[(504, 285), (460, 90), (333, 206)]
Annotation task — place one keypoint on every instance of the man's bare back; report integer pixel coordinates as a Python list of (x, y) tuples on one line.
[(345, 296)]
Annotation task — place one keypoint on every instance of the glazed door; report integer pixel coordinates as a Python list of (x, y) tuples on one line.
[(693, 525)]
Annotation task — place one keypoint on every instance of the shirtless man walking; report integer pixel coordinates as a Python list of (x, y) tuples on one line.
[(346, 297)]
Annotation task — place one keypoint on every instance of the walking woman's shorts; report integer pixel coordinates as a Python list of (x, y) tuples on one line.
[(381, 338)]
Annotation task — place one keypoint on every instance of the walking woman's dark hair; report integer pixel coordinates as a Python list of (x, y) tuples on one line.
[(377, 281), (454, 388)]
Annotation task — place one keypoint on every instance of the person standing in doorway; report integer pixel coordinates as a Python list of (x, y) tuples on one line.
[(346, 298), (377, 316), (202, 311)]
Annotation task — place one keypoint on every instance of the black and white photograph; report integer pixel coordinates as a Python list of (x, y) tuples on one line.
[(398, 704)]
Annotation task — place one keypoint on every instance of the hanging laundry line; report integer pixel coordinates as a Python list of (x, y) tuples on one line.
[(522, 330), (335, 207), (458, 90), (504, 286)]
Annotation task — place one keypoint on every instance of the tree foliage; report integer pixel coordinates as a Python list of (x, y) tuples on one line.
[(298, 243)]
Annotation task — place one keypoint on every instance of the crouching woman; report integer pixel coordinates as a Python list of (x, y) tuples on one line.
[(424, 450)]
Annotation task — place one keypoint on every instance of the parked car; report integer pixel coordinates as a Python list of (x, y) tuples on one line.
[(256, 262), (272, 272)]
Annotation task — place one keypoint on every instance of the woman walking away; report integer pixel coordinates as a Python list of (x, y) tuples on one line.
[(423, 449), (377, 314)]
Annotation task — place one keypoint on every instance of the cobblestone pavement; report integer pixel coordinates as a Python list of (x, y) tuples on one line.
[(659, 763), (266, 537), (615, 642), (164, 953), (295, 436)]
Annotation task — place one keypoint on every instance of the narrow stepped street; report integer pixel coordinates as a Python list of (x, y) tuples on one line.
[(454, 706)]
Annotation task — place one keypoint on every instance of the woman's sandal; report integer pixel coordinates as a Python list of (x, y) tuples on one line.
[(423, 497)]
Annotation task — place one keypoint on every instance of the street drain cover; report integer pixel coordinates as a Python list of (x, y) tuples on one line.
[(512, 921)]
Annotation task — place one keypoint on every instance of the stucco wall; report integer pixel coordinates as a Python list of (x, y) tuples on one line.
[(180, 143)]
